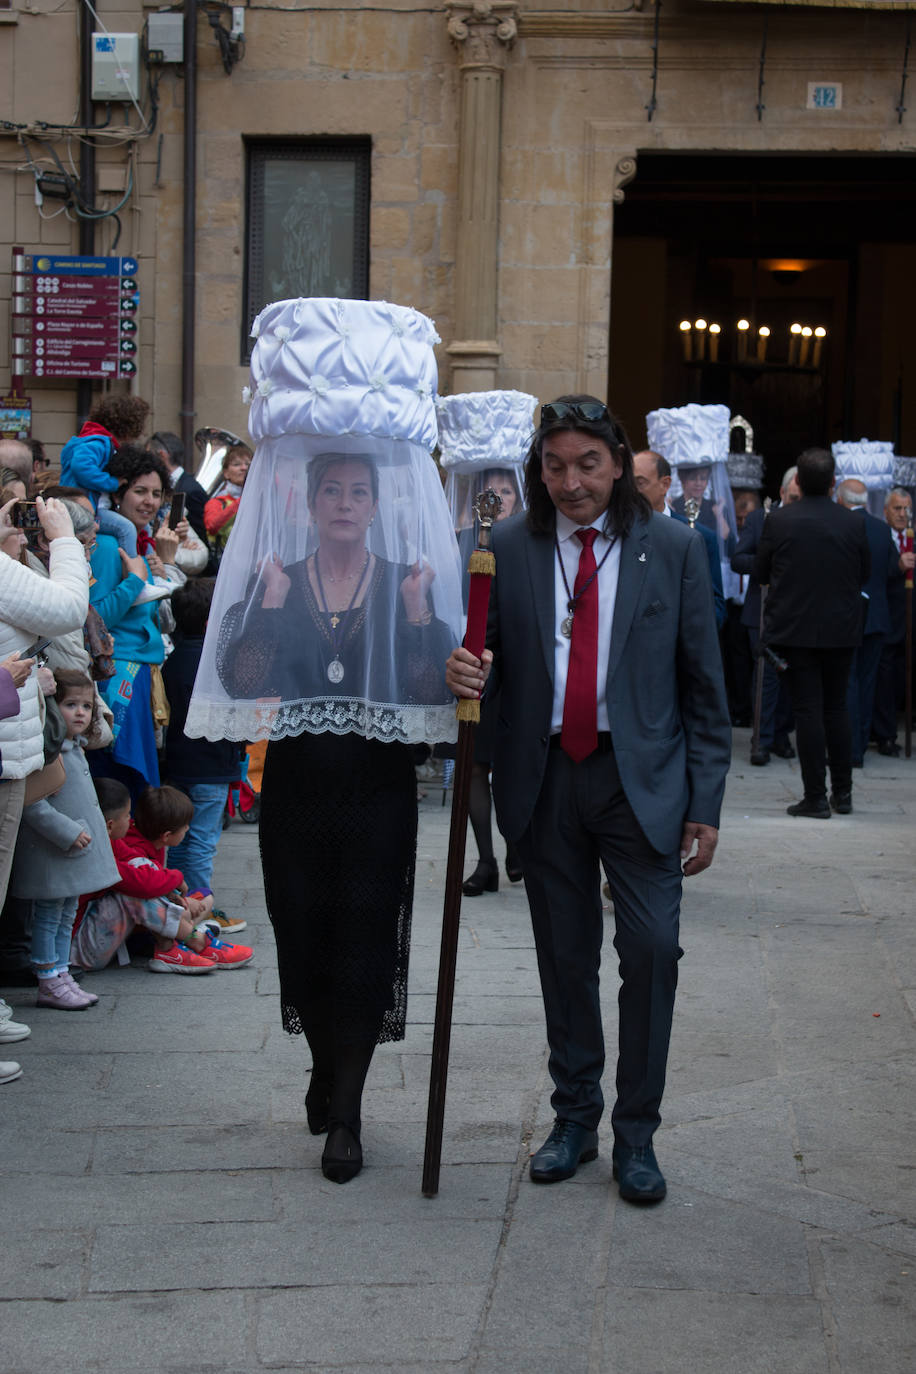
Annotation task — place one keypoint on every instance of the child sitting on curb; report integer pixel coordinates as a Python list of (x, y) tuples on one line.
[(150, 894)]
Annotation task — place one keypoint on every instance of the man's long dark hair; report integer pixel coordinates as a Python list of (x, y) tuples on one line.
[(627, 503)]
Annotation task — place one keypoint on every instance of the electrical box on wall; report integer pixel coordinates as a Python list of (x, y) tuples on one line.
[(115, 66), (165, 36)]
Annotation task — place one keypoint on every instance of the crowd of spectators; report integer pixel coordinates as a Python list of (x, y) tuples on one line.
[(109, 818)]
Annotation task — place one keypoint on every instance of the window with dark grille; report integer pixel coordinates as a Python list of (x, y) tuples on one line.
[(307, 222)]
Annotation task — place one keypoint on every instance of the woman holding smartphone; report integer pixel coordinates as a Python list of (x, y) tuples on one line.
[(31, 608)]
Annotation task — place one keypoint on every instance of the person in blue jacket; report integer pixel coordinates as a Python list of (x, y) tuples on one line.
[(84, 460)]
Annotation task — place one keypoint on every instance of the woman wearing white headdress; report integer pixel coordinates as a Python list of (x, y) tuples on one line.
[(333, 614), (483, 442)]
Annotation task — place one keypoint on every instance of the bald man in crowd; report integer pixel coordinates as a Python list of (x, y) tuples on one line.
[(15, 464)]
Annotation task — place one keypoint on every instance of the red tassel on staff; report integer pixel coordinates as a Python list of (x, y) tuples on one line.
[(482, 567)]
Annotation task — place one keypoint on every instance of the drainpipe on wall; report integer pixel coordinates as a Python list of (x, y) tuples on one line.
[(87, 180), (189, 232)]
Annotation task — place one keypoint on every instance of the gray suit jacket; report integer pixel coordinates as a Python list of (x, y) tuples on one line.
[(665, 690)]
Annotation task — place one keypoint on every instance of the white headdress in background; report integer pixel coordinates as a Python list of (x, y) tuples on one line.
[(692, 437), (481, 432), (869, 461)]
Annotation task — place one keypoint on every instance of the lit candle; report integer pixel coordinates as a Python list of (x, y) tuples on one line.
[(805, 345), (743, 327), (820, 335), (714, 331), (794, 340), (685, 335), (700, 327), (763, 334)]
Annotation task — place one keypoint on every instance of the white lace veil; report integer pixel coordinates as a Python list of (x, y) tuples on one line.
[(484, 437), (694, 438), (343, 391)]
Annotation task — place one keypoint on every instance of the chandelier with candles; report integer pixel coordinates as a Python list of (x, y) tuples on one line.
[(701, 339)]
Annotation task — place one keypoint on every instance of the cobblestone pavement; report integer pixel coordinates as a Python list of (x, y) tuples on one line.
[(162, 1206)]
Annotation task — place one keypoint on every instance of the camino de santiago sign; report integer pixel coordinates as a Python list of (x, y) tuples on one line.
[(73, 317)]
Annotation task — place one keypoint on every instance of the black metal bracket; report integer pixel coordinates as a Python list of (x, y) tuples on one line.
[(653, 103), (761, 70), (901, 108)]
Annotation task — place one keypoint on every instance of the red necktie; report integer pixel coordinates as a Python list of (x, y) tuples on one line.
[(579, 735)]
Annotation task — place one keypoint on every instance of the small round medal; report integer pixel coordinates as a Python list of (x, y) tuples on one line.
[(566, 627), (335, 670)]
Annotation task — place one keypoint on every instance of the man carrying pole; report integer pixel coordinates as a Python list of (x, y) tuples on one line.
[(612, 747)]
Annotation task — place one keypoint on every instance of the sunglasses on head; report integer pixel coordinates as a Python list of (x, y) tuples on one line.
[(592, 412)]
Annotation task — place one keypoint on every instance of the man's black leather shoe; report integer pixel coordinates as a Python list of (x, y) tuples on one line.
[(567, 1146), (841, 802), (638, 1174), (817, 810), (783, 749), (889, 748), (760, 758)]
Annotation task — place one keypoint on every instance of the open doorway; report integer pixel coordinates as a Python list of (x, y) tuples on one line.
[(824, 243)]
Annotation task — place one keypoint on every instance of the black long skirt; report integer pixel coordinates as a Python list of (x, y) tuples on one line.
[(338, 837)]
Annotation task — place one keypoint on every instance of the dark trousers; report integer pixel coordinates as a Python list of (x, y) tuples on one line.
[(889, 690), (581, 821), (818, 680), (738, 664), (863, 677), (776, 723)]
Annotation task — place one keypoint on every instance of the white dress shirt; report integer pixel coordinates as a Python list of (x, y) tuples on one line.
[(570, 549)]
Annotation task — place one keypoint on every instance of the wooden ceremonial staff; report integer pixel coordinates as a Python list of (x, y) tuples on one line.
[(482, 568), (908, 694)]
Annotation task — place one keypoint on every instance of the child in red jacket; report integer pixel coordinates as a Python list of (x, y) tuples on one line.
[(150, 894)]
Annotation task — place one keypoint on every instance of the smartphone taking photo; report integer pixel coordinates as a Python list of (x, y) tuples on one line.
[(25, 518), (176, 510)]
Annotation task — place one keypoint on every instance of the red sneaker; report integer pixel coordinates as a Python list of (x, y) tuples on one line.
[(179, 959), (223, 955)]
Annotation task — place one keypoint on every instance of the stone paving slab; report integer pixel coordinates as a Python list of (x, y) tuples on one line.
[(166, 1128)]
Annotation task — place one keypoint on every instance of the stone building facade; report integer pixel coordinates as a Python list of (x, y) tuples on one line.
[(530, 167)]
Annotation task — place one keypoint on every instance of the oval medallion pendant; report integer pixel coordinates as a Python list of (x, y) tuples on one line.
[(566, 627), (335, 670)]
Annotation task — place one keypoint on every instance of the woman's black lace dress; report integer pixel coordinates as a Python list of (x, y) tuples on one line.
[(338, 821)]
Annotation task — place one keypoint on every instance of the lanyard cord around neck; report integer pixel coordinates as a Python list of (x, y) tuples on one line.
[(571, 599)]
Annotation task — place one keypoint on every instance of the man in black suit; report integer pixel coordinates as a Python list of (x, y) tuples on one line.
[(886, 569), (775, 709), (612, 746), (653, 479), (889, 689), (170, 449), (814, 557)]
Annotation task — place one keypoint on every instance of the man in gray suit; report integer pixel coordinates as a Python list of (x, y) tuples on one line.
[(612, 747)]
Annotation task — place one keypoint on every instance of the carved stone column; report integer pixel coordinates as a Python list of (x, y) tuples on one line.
[(483, 32)]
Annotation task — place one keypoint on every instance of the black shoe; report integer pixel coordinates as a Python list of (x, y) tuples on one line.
[(889, 748), (567, 1146), (783, 749), (343, 1155), (485, 878), (637, 1172), (760, 758), (513, 867), (317, 1105), (816, 810), (841, 802)]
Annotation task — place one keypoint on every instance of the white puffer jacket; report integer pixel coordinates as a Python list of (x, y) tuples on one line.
[(34, 607)]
